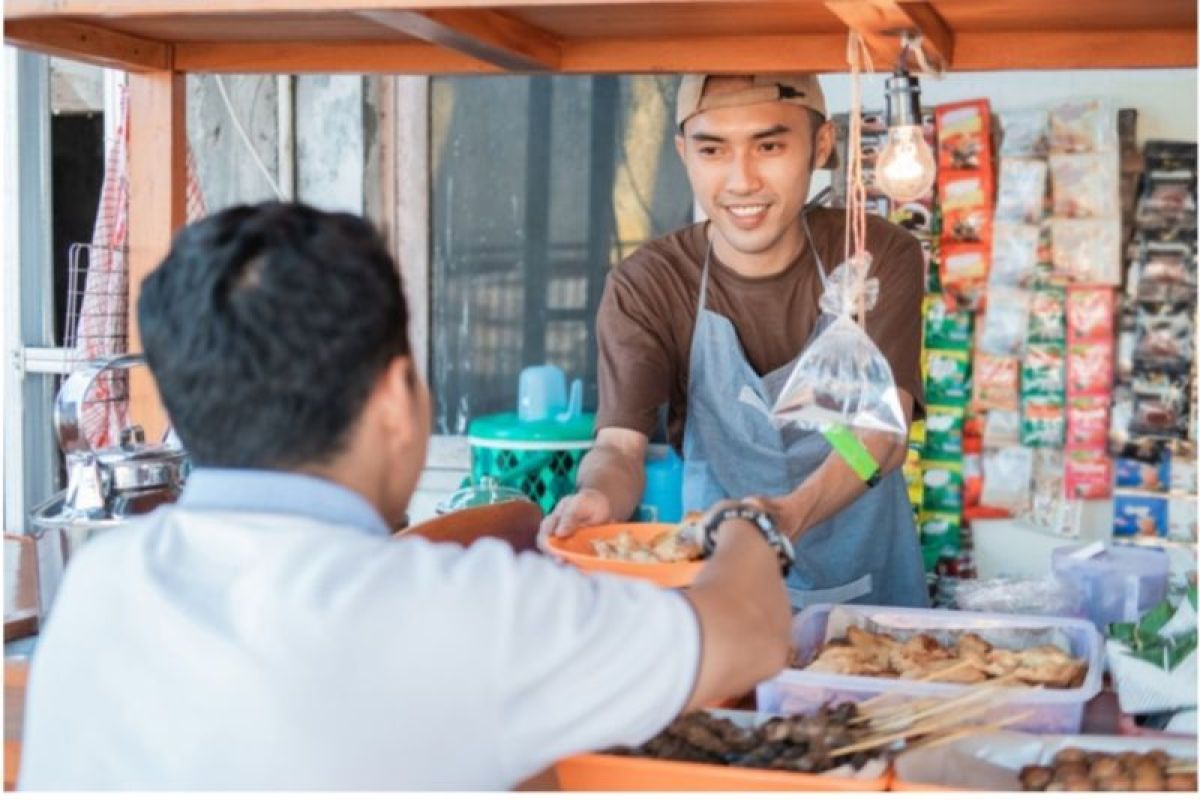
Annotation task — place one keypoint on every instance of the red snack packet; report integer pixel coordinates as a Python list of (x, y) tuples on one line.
[(1090, 312), (1090, 367), (1087, 421), (997, 382), (966, 201), (964, 135), (1088, 474), (963, 274)]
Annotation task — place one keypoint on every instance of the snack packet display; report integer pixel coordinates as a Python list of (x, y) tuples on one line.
[(1083, 126), (842, 379), (1025, 133), (943, 433), (1165, 335), (1021, 194), (1043, 423), (1087, 250), (963, 135), (1047, 316), (964, 271), (966, 208), (1090, 313), (1014, 254), (1001, 429), (1170, 263), (1139, 515), (1007, 474), (1085, 185), (943, 487), (1089, 367), (997, 382), (1168, 198), (945, 327), (1006, 321), (1043, 372), (1143, 476), (1088, 474), (1087, 421), (1160, 405), (947, 375)]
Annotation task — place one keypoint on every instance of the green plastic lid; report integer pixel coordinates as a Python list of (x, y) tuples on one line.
[(508, 427)]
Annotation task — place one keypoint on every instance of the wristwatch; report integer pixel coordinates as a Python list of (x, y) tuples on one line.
[(781, 544)]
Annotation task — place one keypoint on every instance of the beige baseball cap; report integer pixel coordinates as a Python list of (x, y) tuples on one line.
[(797, 88)]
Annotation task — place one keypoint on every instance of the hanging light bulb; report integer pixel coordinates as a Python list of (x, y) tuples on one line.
[(905, 169)]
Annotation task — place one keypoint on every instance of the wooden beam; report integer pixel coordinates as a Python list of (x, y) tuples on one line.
[(415, 58), (152, 8), (157, 208), (881, 23), (1013, 50), (490, 36), (88, 43), (728, 54)]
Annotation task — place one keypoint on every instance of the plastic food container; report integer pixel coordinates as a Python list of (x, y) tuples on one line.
[(576, 549), (1051, 710), (599, 772), (1118, 583)]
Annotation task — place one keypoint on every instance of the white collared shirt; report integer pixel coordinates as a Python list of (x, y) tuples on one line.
[(203, 648)]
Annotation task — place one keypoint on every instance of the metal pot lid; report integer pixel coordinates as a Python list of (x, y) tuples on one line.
[(143, 468), (486, 493)]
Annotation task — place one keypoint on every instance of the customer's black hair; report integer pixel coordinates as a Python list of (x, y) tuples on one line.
[(266, 327)]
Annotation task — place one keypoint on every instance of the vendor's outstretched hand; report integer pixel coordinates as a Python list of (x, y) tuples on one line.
[(788, 519)]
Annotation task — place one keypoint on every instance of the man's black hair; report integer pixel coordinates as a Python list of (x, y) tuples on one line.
[(266, 327)]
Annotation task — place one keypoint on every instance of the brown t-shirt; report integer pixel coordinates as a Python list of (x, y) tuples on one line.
[(648, 311)]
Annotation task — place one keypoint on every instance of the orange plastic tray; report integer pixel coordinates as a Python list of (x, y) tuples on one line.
[(577, 549), (596, 772)]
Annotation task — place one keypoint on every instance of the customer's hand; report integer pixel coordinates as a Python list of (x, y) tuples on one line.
[(585, 507)]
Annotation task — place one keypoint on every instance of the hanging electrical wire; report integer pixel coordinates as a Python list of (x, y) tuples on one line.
[(237, 126)]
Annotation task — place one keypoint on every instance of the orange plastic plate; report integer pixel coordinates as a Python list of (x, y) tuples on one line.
[(577, 549), (596, 772)]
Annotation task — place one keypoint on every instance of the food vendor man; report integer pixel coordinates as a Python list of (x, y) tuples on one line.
[(709, 321)]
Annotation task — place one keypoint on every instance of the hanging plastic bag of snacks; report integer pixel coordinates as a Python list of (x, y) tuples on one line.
[(1090, 312), (1085, 185), (1007, 474), (1014, 254), (1087, 250), (1021, 195), (997, 382), (842, 378), (1083, 126), (1047, 316), (1025, 133), (1005, 323)]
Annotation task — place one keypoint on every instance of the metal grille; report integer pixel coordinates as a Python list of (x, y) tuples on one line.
[(97, 319)]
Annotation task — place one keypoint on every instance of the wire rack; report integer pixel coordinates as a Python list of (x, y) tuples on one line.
[(97, 317)]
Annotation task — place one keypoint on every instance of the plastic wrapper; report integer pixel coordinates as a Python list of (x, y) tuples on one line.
[(943, 484), (997, 382), (963, 132), (1047, 316), (1002, 429), (946, 328), (1123, 441), (1168, 198), (1087, 421), (1083, 126), (1087, 250), (1007, 474), (1085, 185), (1021, 193), (1043, 373), (1025, 133), (1043, 423), (1014, 254), (1042, 596), (1144, 476), (1139, 515), (940, 532), (966, 208), (1160, 405), (1090, 313), (1165, 335), (1181, 519), (1088, 474), (964, 272), (1049, 508), (947, 375), (1089, 367), (943, 433), (1170, 263), (1005, 323), (1154, 669), (842, 378)]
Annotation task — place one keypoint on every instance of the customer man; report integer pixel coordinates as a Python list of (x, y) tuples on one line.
[(709, 321), (267, 633)]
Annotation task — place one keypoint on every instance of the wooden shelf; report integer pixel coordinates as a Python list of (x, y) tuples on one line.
[(583, 36)]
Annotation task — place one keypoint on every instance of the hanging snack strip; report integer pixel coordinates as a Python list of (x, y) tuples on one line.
[(966, 184)]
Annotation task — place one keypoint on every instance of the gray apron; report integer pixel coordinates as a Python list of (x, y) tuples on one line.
[(866, 553)]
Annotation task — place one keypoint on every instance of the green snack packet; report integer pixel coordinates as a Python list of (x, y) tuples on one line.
[(946, 329), (943, 433), (947, 377), (943, 487), (1047, 316), (1043, 373), (1043, 423)]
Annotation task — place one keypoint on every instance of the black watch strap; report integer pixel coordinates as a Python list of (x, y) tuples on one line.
[(781, 544)]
